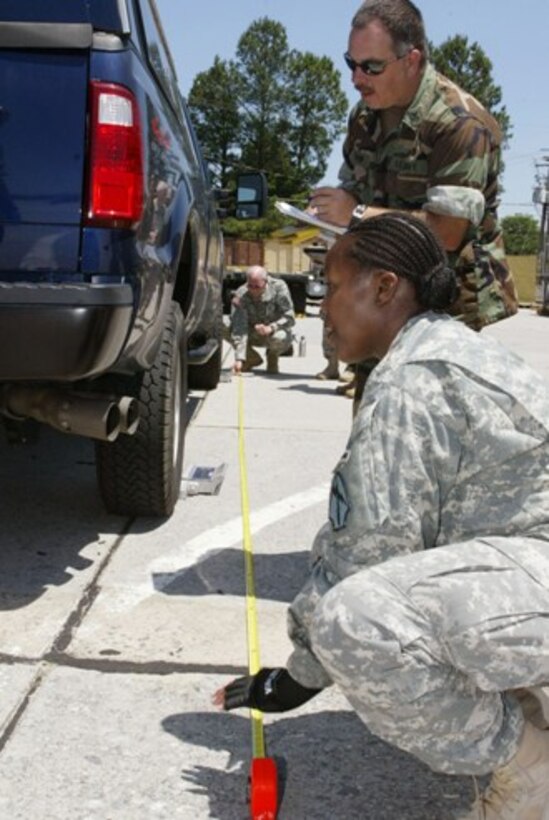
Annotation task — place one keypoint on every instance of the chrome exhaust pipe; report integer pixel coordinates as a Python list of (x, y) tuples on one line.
[(129, 415), (77, 413)]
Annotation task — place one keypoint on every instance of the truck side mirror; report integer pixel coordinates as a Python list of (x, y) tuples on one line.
[(251, 195)]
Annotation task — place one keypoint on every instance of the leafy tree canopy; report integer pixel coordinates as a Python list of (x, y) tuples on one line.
[(522, 234), (216, 117), (271, 108), (469, 66)]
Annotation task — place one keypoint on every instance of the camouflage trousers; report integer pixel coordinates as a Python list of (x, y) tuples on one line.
[(328, 348), (277, 342), (429, 647)]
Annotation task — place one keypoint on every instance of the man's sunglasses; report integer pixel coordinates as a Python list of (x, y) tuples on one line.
[(374, 67)]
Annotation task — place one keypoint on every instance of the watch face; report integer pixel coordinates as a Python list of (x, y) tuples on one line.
[(359, 211)]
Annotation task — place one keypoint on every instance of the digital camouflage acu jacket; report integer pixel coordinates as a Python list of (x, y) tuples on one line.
[(444, 157), (275, 307), (450, 443)]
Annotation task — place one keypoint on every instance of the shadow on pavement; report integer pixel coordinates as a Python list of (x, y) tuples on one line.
[(50, 510), (317, 388), (331, 768), (282, 376), (277, 577)]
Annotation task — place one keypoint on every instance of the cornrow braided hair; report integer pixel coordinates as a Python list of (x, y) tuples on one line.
[(403, 244)]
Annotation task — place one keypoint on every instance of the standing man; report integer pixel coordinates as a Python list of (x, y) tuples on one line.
[(416, 142), (263, 316)]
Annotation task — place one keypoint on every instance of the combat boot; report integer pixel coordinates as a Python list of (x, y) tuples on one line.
[(541, 693), (534, 703), (520, 789), (331, 371), (347, 389), (347, 376), (272, 361)]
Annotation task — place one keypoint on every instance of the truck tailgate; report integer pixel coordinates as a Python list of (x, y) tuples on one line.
[(43, 99)]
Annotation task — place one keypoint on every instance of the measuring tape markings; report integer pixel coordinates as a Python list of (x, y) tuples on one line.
[(254, 665)]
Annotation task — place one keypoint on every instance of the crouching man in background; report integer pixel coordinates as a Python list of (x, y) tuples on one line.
[(262, 316)]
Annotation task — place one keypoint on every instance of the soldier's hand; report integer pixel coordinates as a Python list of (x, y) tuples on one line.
[(333, 205), (237, 366), (269, 690)]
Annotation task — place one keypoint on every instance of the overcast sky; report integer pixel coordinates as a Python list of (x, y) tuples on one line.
[(518, 47)]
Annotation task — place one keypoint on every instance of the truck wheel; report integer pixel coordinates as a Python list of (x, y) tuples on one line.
[(206, 376), (141, 474)]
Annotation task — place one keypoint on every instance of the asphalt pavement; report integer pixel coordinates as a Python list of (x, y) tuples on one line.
[(114, 633)]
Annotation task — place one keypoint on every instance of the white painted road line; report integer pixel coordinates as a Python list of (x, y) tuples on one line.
[(230, 533)]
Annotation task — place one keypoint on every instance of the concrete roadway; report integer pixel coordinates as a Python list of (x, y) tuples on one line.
[(114, 633)]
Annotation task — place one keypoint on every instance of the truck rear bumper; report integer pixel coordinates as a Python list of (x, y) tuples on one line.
[(61, 332)]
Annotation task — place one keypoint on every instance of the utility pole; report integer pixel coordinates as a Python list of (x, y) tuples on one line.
[(541, 197)]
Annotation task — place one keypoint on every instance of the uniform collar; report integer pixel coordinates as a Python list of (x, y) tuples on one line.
[(423, 100)]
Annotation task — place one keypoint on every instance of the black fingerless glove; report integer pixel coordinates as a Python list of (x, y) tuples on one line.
[(269, 690)]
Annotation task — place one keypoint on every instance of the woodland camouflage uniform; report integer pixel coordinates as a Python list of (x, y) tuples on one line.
[(443, 154)]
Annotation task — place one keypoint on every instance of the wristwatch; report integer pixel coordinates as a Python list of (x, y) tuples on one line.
[(359, 212)]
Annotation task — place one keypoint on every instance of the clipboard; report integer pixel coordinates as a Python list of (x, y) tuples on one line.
[(308, 218)]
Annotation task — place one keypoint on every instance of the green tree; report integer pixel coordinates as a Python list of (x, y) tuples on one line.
[(261, 60), (521, 233), (213, 105), (318, 108), (468, 66), (271, 109)]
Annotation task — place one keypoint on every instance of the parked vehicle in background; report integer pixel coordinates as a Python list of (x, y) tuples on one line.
[(111, 254)]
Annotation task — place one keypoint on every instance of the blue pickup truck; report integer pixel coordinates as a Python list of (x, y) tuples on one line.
[(111, 254)]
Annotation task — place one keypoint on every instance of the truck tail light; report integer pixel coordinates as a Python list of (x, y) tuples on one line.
[(115, 175)]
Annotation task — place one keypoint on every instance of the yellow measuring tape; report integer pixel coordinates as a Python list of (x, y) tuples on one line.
[(258, 738)]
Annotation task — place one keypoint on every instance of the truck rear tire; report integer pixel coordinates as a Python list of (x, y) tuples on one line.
[(141, 474)]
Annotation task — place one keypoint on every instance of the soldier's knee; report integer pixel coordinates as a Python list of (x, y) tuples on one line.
[(279, 342)]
